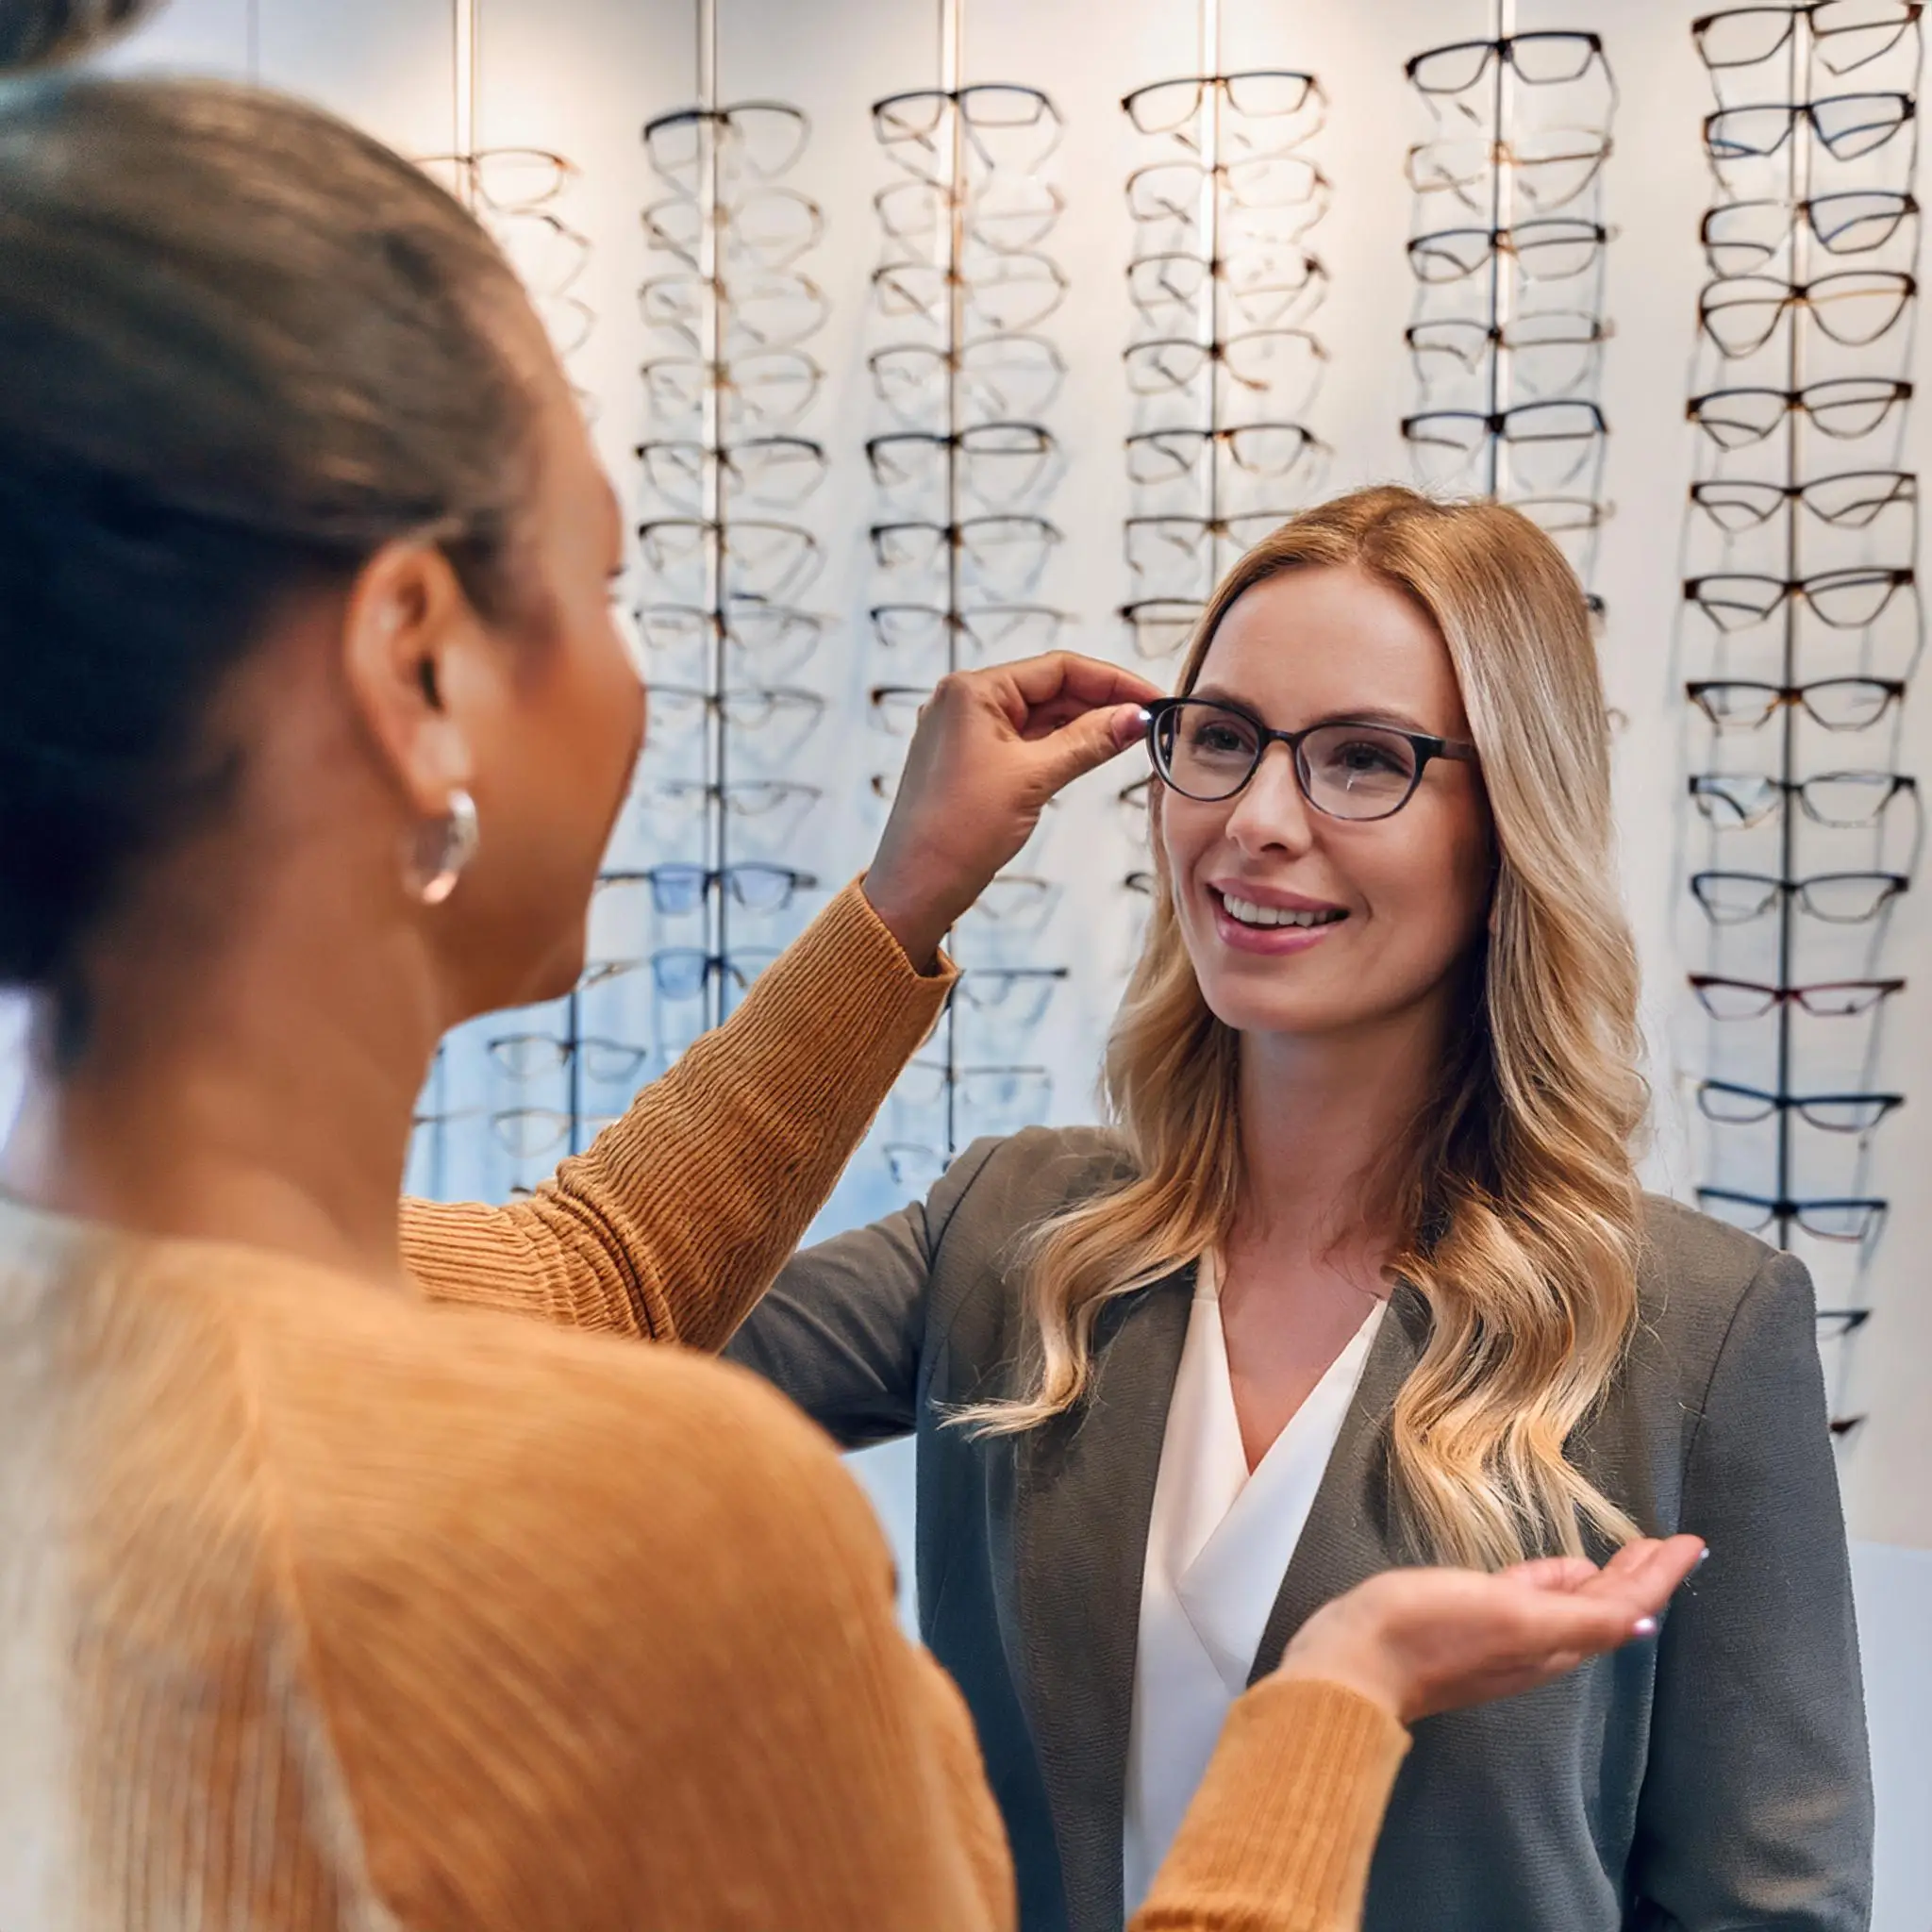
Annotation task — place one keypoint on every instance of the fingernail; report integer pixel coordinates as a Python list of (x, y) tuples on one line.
[(1703, 1557), (1141, 712), (1644, 1626)]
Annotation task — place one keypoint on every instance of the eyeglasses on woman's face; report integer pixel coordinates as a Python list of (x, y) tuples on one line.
[(1346, 767)]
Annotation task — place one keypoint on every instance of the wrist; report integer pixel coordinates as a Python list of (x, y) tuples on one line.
[(912, 918), (1333, 1653)]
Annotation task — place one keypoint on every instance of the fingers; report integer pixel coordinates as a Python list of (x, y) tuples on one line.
[(1553, 1573), (1650, 1577), (1625, 1601), (1647, 1570), (1088, 742), (1081, 682)]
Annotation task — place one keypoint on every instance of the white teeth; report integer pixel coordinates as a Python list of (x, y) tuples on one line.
[(1251, 914)]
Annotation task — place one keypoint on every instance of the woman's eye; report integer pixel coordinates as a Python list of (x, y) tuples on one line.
[(1219, 737), (1365, 757)]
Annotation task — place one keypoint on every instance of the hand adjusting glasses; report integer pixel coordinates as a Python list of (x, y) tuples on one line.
[(1346, 767)]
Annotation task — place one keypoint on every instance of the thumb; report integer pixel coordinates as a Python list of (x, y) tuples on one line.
[(1086, 742)]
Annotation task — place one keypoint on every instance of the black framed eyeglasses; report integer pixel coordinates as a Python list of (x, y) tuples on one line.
[(1838, 703), (1731, 1105), (1022, 630), (1830, 1217), (1743, 237), (1749, 35), (1549, 248), (1853, 307), (1844, 599), (1849, 499), (1548, 58), (1160, 625), (1346, 769), (1838, 898), (1846, 126), (1845, 406), (1257, 94)]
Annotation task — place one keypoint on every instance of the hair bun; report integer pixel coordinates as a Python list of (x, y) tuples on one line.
[(39, 33)]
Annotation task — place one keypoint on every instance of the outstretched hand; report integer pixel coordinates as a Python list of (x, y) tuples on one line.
[(992, 747), (1417, 1641)]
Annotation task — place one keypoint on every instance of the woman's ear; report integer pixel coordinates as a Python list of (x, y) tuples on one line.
[(405, 625)]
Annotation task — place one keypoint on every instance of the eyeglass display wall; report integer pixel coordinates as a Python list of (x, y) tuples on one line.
[(1509, 258), (853, 360), (1803, 627), (965, 465)]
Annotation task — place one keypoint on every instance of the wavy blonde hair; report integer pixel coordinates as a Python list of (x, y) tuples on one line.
[(1518, 1205)]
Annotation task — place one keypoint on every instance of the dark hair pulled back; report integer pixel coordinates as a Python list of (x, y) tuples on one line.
[(244, 347)]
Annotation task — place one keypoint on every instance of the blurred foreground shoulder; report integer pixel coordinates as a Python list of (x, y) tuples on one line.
[(606, 1637)]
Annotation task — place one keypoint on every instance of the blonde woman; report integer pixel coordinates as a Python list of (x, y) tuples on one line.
[(1362, 1275)]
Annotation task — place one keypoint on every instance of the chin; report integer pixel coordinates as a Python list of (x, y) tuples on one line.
[(557, 975), (1249, 1011)]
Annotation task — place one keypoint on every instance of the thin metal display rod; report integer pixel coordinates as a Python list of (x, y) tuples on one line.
[(1502, 204), (464, 96), (1210, 142), (1788, 829), (951, 69), (712, 439)]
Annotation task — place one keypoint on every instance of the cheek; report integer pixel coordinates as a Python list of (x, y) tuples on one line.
[(1182, 832), (607, 699), (1432, 881)]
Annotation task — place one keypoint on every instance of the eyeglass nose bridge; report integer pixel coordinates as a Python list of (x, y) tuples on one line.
[(1293, 785)]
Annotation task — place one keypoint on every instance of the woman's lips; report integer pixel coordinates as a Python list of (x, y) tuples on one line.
[(1275, 939)]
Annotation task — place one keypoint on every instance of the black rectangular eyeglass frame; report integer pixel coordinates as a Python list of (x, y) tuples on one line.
[(1426, 745), (1806, 1211)]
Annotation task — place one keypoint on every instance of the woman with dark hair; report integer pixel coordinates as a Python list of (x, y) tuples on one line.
[(319, 1607)]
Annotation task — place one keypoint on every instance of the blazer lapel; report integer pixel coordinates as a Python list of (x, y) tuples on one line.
[(1083, 1496), (1348, 1536)]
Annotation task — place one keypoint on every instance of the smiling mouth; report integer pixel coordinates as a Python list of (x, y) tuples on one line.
[(1246, 913)]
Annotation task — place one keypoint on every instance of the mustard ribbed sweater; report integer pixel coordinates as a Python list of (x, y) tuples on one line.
[(323, 1606)]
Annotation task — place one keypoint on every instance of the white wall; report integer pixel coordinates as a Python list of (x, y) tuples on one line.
[(582, 75)]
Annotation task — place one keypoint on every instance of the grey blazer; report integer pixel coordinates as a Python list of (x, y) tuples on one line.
[(1714, 1779)]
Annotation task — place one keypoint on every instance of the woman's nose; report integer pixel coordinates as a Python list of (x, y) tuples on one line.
[(1271, 810)]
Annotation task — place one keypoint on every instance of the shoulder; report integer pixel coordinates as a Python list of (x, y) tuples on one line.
[(1695, 1274), (535, 1453), (1025, 1177), (540, 1575), (999, 1190), (1724, 1338)]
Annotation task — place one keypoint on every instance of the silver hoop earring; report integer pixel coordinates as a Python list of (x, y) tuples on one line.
[(444, 848)]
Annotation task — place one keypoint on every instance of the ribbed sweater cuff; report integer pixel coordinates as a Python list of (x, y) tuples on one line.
[(1279, 1837), (853, 978)]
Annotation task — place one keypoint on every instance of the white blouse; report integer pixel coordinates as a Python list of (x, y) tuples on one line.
[(1218, 1545)]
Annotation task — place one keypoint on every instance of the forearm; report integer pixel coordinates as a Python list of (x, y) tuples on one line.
[(1279, 1837), (680, 1214)]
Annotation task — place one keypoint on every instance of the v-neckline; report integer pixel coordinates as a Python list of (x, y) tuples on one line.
[(1225, 1410)]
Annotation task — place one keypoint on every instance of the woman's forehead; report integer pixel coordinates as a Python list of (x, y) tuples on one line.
[(1325, 639)]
